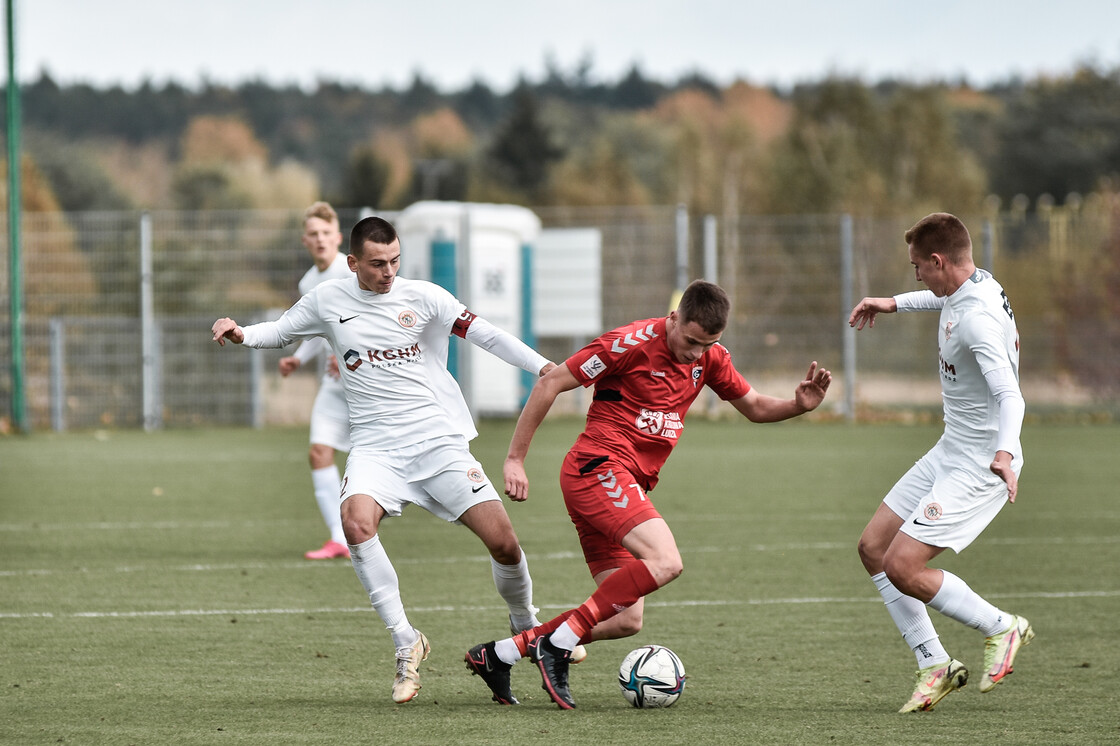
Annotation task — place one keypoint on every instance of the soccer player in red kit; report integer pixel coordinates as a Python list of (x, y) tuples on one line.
[(646, 375)]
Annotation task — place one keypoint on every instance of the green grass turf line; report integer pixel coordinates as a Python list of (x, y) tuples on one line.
[(152, 590)]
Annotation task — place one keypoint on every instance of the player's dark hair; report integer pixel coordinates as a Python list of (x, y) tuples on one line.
[(706, 304), (377, 230), (941, 233)]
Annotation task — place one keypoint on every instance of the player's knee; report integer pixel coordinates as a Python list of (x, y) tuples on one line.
[(507, 551), (357, 531), (358, 524), (629, 625), (320, 456), (668, 569), (869, 554), (899, 573)]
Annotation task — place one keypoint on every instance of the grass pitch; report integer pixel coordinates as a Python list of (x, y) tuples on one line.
[(152, 590)]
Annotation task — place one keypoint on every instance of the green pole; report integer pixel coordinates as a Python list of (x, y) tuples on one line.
[(15, 274)]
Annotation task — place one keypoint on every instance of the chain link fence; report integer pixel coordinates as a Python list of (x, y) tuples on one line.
[(114, 337)]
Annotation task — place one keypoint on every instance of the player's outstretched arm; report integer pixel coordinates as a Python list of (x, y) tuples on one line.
[(808, 396), (505, 346), (867, 309), (556, 381), (227, 328)]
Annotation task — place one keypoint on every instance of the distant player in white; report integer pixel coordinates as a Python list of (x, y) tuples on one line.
[(330, 418), (409, 425), (949, 496)]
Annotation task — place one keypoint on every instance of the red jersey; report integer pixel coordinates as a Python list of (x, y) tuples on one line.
[(642, 394)]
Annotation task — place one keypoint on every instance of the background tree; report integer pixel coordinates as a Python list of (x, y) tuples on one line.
[(924, 165), (365, 180), (442, 144), (829, 145), (224, 166), (523, 150), (828, 156), (1059, 135), (77, 179)]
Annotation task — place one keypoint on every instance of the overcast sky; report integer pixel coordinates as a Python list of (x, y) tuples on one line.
[(372, 44)]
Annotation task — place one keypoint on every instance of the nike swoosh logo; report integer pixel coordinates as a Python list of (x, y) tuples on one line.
[(479, 487), (927, 525), (343, 321)]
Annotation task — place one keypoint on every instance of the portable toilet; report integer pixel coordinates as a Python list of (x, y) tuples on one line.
[(482, 254)]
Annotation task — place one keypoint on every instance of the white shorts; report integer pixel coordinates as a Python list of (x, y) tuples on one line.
[(945, 502), (440, 475), (330, 417)]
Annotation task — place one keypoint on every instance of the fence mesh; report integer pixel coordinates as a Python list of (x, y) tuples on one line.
[(83, 361)]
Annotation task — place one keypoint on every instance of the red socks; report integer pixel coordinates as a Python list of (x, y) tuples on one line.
[(619, 591)]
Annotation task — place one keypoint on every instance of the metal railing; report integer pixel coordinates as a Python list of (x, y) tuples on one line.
[(118, 306)]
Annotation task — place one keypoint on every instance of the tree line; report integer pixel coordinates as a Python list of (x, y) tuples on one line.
[(834, 144)]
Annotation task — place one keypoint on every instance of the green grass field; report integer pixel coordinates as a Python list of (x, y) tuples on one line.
[(152, 591)]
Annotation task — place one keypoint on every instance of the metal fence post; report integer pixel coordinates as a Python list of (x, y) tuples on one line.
[(987, 238), (848, 334), (682, 247), (149, 348), (58, 374), (464, 279), (256, 393), (711, 260)]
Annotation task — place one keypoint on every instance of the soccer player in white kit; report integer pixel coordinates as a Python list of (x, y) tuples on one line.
[(330, 418), (409, 425), (953, 492)]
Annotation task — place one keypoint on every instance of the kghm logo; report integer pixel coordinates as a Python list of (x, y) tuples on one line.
[(932, 511), (383, 358), (407, 319), (947, 368)]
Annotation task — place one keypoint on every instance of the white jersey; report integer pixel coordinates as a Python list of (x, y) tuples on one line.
[(338, 269), (392, 354), (976, 335)]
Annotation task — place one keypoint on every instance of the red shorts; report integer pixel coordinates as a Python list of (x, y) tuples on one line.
[(605, 503)]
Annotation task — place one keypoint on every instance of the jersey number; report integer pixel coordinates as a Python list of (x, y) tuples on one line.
[(1007, 305)]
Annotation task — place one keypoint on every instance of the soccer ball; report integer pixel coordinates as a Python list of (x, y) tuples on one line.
[(651, 676)]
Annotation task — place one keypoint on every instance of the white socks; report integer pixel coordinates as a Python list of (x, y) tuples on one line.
[(516, 588), (327, 487), (957, 601), (507, 651), (564, 638), (380, 581), (912, 619)]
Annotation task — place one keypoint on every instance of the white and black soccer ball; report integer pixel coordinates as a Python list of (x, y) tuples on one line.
[(651, 676)]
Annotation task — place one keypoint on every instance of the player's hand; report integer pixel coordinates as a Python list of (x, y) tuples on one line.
[(811, 391), (517, 483), (1001, 467), (288, 365), (867, 309), (547, 367), (227, 328), (332, 367)]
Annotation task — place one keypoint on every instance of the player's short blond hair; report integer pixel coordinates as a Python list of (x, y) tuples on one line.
[(321, 210), (943, 234)]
